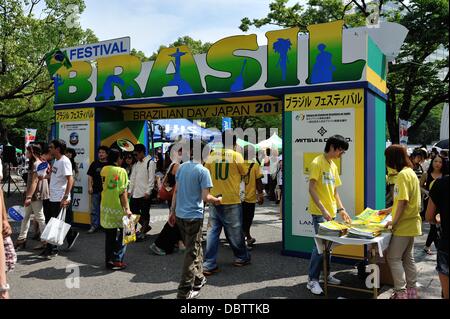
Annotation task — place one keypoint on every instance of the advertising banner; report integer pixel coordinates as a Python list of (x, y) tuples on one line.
[(76, 128), (30, 136), (403, 131), (315, 118)]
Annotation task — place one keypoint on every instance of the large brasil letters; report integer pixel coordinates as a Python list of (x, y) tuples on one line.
[(240, 72)]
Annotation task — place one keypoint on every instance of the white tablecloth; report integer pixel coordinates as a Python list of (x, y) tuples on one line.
[(382, 241)]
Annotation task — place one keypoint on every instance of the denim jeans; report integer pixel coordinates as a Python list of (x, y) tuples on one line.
[(95, 211), (316, 263), (230, 218), (114, 248)]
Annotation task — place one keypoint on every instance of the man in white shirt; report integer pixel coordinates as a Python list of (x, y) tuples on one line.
[(61, 182), (142, 182)]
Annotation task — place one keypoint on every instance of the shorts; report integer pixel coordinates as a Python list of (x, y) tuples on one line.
[(442, 262)]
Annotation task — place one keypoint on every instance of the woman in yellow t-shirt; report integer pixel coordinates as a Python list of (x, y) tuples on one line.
[(406, 223)]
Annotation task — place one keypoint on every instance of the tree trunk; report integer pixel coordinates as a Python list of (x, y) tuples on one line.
[(391, 118), (3, 133)]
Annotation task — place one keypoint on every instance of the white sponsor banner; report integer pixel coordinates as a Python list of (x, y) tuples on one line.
[(30, 136), (310, 131), (77, 136)]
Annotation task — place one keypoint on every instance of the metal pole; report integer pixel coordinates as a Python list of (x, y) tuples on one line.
[(151, 136)]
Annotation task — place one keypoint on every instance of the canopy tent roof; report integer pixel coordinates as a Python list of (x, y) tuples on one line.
[(243, 143), (173, 128), (273, 142)]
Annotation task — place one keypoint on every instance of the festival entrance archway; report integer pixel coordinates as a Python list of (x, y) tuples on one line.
[(330, 81)]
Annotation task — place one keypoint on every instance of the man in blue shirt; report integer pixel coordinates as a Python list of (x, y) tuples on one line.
[(193, 183)]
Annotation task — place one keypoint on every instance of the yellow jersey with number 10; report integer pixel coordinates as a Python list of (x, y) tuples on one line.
[(226, 167)]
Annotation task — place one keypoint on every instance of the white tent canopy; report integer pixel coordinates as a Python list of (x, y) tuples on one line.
[(273, 142)]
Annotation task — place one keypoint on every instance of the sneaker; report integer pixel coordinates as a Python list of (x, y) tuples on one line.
[(331, 280), (145, 229), (251, 241), (92, 230), (109, 265), (399, 295), (156, 250), (52, 254), (118, 265), (48, 254), (71, 239), (42, 245), (207, 272), (193, 294), (412, 293), (241, 263), (314, 287), (200, 285), (140, 237)]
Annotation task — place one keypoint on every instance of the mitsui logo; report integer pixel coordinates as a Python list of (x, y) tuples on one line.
[(316, 140)]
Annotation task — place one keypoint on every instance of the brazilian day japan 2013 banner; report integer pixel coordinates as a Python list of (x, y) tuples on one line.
[(327, 54)]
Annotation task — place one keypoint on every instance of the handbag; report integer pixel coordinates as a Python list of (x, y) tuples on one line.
[(10, 254), (56, 229), (166, 192)]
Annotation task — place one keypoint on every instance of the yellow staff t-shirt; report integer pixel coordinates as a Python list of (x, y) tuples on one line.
[(391, 177), (407, 188), (226, 168), (326, 175), (250, 181)]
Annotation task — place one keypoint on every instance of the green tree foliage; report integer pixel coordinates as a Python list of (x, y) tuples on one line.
[(196, 46), (316, 11), (416, 84), (28, 30), (140, 55), (432, 124)]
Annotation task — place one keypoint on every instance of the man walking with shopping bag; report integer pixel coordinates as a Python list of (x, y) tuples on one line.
[(61, 182)]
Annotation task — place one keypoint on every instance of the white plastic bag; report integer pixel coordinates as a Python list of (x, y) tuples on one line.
[(56, 229)]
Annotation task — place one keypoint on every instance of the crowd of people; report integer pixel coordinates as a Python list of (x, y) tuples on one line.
[(125, 183)]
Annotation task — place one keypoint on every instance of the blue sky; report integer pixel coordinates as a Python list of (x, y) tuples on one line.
[(151, 23)]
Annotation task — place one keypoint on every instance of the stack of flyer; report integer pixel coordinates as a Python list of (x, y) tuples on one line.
[(365, 231), (333, 228), (368, 225), (370, 215)]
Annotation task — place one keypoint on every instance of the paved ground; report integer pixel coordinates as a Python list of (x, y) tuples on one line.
[(271, 275)]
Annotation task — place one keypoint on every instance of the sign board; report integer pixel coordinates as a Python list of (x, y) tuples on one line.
[(94, 51), (226, 123), (326, 54), (76, 127), (204, 111), (315, 117)]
